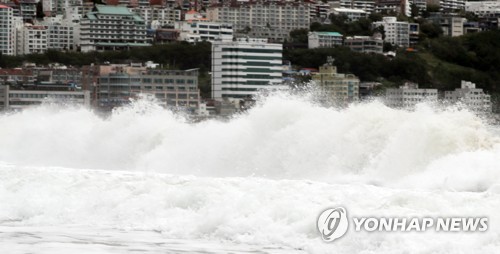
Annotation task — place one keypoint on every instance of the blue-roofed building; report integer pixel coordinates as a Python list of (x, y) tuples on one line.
[(324, 39), (112, 28)]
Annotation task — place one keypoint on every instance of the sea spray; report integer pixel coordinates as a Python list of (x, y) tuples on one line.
[(142, 177), (283, 137)]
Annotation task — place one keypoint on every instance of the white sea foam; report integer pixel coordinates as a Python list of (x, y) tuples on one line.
[(259, 179), (283, 138)]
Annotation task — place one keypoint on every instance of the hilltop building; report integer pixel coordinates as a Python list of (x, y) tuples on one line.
[(365, 44), (351, 14), (242, 67), (336, 88), (365, 5), (451, 25), (194, 31), (324, 39), (484, 8), (272, 20), (448, 6), (397, 32), (112, 28)]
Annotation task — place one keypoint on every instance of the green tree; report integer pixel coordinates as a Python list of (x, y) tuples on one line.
[(299, 35)]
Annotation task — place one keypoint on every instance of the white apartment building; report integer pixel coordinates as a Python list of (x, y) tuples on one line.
[(365, 5), (451, 5), (483, 8), (452, 26), (421, 5), (397, 32), (61, 36), (320, 10), (27, 9), (159, 14), (112, 28), (365, 44), (21, 99), (7, 31), (324, 39), (409, 95), (474, 98), (32, 39), (263, 19), (352, 14), (243, 67), (194, 31)]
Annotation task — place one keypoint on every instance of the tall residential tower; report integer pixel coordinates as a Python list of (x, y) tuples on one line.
[(243, 67)]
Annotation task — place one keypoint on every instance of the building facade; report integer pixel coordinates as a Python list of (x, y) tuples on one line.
[(409, 95), (7, 31), (397, 32), (324, 39), (158, 14), (194, 31), (112, 28), (172, 88), (484, 8), (365, 5), (243, 67), (451, 5), (32, 39), (351, 14), (17, 99), (336, 88), (263, 19), (474, 98), (61, 36), (365, 44)]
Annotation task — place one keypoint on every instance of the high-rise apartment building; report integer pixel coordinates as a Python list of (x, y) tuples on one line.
[(243, 67), (263, 19), (32, 39), (7, 31)]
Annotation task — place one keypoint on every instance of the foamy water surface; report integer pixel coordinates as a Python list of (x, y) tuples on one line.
[(147, 180)]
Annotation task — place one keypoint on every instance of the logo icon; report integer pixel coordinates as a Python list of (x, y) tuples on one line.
[(332, 223)]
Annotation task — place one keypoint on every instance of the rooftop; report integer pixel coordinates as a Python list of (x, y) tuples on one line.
[(113, 10), (329, 33)]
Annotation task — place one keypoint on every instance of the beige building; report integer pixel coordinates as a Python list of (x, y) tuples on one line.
[(263, 19), (334, 87), (115, 85)]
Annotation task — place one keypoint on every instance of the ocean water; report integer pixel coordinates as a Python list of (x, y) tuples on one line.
[(146, 180)]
